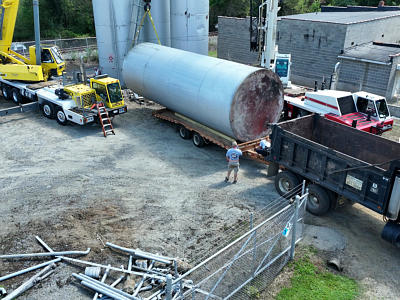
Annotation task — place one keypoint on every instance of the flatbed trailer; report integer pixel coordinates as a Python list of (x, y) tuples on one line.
[(43, 96), (202, 135), (338, 161)]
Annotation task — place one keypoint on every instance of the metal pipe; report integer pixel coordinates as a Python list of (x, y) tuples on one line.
[(294, 231), (103, 290), (29, 283), (36, 20), (43, 244), (142, 254), (102, 281), (96, 282), (8, 256), (140, 284), (5, 277), (113, 268)]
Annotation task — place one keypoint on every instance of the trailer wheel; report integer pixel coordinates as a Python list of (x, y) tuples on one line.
[(16, 96), (5, 89), (61, 118), (48, 110), (319, 201), (184, 132), (198, 140), (285, 182)]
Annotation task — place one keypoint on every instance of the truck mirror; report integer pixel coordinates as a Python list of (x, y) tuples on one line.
[(354, 124)]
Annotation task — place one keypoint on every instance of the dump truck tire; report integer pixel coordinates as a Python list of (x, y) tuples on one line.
[(319, 201), (285, 182)]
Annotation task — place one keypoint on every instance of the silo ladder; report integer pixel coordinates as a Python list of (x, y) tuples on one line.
[(104, 118)]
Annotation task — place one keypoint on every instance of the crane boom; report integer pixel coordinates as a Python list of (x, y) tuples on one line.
[(8, 11)]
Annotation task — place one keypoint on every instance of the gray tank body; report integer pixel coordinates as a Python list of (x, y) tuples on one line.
[(189, 25), (235, 99)]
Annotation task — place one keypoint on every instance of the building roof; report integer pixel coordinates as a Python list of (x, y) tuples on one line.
[(344, 17), (373, 52)]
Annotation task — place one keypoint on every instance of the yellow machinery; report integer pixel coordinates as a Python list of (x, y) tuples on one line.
[(14, 66), (102, 89)]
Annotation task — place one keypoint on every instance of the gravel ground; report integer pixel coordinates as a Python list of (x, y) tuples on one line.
[(144, 188)]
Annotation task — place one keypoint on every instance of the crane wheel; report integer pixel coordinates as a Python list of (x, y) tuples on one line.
[(48, 110), (61, 118), (16, 96), (6, 90)]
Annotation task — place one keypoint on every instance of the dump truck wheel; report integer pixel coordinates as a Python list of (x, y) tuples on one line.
[(48, 110), (285, 182), (61, 118), (198, 140), (16, 96), (184, 132), (5, 89), (319, 201)]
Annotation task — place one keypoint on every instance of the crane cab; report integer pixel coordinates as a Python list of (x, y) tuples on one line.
[(108, 91), (52, 62)]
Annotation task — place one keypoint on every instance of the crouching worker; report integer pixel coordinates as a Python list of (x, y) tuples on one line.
[(263, 148), (232, 156)]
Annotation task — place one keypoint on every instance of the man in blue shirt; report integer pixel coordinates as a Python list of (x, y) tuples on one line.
[(232, 156)]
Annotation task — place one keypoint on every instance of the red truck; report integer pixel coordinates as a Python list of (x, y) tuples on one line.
[(361, 110)]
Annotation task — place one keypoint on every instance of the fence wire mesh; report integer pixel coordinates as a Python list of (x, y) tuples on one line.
[(247, 260)]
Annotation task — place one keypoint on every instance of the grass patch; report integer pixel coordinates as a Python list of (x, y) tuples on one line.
[(212, 53), (309, 282)]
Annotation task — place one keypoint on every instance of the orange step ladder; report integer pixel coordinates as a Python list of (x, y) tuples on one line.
[(104, 118)]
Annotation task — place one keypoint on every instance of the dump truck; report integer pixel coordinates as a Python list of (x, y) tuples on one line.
[(338, 162)]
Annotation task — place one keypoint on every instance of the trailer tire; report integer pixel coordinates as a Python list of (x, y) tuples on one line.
[(319, 201), (285, 182), (61, 118), (6, 90), (16, 96), (198, 140), (184, 132), (48, 110)]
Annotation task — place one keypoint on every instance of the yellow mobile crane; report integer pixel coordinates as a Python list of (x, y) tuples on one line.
[(14, 66), (22, 78)]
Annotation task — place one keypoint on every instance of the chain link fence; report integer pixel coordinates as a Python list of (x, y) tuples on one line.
[(250, 258), (65, 45)]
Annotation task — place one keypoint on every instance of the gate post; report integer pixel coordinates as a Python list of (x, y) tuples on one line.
[(295, 218)]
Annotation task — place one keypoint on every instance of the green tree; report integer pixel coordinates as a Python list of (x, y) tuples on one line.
[(228, 8)]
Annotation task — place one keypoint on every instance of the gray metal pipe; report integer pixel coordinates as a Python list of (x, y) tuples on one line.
[(29, 283), (235, 99), (106, 286), (142, 254), (20, 272), (26, 255), (103, 290), (36, 20)]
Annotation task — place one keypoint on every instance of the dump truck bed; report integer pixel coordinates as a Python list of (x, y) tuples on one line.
[(355, 164)]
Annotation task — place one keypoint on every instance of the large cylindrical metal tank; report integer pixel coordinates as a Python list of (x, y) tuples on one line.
[(160, 11), (125, 15), (115, 22), (235, 99), (105, 35), (189, 25)]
